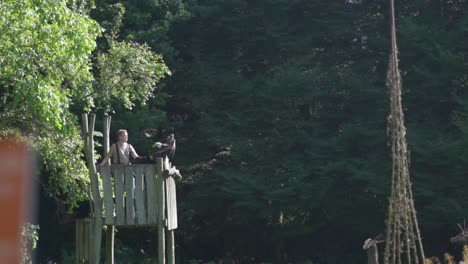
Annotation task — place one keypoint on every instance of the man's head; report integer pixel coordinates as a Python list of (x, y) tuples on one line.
[(122, 135)]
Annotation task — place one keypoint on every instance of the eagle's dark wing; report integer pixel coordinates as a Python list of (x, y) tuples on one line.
[(152, 133)]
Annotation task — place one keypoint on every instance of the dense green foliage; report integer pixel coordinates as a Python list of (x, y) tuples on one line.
[(45, 48), (47, 77), (279, 108)]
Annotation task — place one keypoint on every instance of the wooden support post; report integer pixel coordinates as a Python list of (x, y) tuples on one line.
[(110, 244), (161, 225), (171, 213), (85, 124), (97, 203), (373, 255), (110, 228), (170, 247), (171, 203)]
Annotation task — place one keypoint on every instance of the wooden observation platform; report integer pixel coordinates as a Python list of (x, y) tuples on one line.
[(131, 193), (126, 196)]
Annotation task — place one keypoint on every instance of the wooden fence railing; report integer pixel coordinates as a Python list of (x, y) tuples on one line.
[(129, 194)]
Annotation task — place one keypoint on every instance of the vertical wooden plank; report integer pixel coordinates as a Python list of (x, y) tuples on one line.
[(119, 194), (110, 244), (140, 195), (108, 195), (129, 198), (171, 203), (85, 124), (161, 210), (109, 217), (151, 202), (170, 194)]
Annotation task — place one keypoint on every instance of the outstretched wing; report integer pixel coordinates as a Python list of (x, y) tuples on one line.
[(152, 133)]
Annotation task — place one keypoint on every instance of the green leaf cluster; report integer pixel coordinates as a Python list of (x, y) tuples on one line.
[(128, 73), (45, 66)]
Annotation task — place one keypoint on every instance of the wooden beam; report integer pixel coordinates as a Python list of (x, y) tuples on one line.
[(108, 197), (170, 247), (140, 190), (161, 212), (171, 203), (97, 203), (373, 255), (110, 244), (129, 196), (119, 194)]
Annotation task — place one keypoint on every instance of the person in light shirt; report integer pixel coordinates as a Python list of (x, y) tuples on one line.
[(121, 151)]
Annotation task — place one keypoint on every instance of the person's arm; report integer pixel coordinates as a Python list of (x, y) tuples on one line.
[(105, 161), (133, 152)]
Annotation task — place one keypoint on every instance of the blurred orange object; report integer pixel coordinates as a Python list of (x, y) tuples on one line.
[(15, 183)]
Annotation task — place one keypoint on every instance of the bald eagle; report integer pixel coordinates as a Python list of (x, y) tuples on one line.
[(166, 148)]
